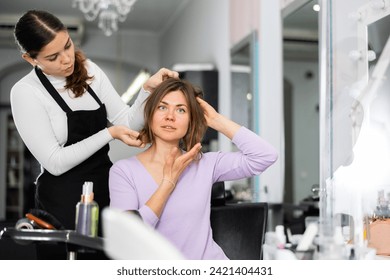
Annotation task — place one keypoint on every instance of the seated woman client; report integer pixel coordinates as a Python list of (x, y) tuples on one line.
[(170, 182)]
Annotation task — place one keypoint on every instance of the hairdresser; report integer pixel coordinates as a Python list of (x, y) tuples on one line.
[(62, 109)]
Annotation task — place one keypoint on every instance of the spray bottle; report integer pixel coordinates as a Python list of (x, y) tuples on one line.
[(87, 212)]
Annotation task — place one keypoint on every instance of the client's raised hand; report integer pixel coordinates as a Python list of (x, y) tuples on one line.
[(176, 163)]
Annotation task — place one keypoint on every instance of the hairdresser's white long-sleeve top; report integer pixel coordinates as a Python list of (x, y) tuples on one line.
[(42, 123)]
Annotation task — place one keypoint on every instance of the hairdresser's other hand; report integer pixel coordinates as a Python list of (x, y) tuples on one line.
[(157, 78), (126, 135), (175, 163)]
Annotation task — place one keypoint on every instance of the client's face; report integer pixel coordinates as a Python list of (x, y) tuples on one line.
[(171, 117)]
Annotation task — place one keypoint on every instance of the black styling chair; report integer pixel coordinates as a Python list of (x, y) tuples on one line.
[(239, 228)]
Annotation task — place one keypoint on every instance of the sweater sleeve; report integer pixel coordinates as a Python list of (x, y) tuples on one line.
[(35, 128), (253, 157)]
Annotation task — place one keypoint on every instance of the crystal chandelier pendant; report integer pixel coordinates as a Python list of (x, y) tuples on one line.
[(109, 12)]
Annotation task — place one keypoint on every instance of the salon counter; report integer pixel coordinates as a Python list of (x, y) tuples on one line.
[(75, 242)]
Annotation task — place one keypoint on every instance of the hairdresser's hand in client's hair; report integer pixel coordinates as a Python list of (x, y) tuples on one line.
[(157, 78), (126, 135)]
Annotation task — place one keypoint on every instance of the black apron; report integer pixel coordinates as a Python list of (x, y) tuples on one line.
[(59, 195)]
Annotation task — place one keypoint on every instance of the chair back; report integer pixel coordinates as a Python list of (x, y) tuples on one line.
[(127, 237), (240, 229)]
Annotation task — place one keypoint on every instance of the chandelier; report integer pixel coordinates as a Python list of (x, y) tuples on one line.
[(109, 12)]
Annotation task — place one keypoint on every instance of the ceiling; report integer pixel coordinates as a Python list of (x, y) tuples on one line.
[(147, 15), (300, 33), (303, 17), (155, 16)]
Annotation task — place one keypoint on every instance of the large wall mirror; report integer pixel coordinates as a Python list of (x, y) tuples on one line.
[(361, 186), (355, 120), (301, 100), (243, 94)]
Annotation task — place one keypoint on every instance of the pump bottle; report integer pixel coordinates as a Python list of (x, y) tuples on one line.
[(87, 212)]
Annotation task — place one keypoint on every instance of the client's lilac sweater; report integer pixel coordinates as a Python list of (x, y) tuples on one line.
[(185, 220)]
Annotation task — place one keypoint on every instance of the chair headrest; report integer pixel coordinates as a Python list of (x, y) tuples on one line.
[(127, 237)]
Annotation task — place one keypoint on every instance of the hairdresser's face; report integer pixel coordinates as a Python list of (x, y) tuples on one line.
[(171, 117), (57, 58)]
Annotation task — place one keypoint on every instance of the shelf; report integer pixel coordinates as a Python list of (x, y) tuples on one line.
[(14, 181), (12, 187), (12, 208)]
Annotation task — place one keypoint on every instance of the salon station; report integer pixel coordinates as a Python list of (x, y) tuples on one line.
[(309, 76)]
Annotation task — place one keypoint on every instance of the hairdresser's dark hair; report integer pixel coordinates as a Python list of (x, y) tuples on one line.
[(197, 121), (34, 30)]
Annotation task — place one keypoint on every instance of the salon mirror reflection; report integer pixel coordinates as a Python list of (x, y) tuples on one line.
[(242, 98), (378, 33), (301, 101)]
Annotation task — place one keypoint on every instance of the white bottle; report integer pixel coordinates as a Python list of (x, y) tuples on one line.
[(279, 230)]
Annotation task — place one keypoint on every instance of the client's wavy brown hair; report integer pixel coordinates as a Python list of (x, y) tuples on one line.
[(197, 122)]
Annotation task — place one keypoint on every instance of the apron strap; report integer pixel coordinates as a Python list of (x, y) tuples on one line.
[(93, 94), (54, 93)]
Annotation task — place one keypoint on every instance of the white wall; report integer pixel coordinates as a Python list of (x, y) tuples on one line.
[(132, 47), (270, 101)]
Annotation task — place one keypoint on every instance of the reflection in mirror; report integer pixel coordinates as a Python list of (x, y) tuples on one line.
[(356, 186), (242, 110), (377, 33), (242, 103), (301, 102), (344, 224), (300, 32)]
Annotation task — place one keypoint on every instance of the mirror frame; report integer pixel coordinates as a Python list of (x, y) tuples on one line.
[(250, 41)]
